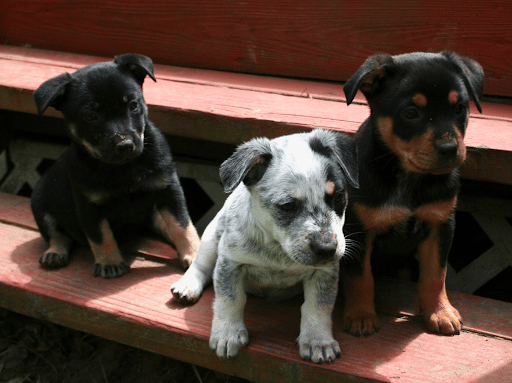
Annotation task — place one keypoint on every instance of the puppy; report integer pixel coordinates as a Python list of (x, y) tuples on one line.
[(279, 233), (408, 151), (117, 178)]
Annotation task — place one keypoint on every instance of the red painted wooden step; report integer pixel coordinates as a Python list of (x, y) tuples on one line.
[(231, 108), (137, 309)]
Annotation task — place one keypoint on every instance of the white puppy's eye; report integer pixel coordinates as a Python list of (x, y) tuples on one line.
[(339, 197), (289, 206)]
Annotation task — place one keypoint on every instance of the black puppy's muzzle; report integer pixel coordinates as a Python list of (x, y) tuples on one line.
[(124, 148)]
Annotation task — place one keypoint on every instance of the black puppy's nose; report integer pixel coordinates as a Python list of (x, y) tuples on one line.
[(447, 149), (125, 146), (324, 249)]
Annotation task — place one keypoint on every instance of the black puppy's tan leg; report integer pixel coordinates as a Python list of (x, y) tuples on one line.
[(437, 311), (57, 254), (359, 315), (185, 238), (109, 262)]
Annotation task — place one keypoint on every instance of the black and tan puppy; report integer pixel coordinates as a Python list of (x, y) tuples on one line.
[(117, 178), (409, 150)]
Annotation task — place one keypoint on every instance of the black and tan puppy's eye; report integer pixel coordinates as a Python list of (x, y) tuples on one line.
[(410, 113), (90, 116), (461, 109)]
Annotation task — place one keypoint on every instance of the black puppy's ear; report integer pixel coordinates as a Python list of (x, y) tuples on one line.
[(139, 66), (368, 77), (51, 92), (339, 147), (247, 164), (472, 73)]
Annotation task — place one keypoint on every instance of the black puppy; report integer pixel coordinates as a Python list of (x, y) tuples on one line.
[(117, 178), (409, 150)]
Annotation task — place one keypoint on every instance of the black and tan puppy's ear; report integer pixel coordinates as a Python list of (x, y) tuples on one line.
[(472, 73), (51, 92), (368, 77), (247, 164), (139, 66)]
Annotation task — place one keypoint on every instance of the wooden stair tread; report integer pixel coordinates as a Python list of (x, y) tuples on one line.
[(137, 309), (232, 108)]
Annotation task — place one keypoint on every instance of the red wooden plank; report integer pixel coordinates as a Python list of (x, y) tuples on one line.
[(137, 310), (15, 210), (485, 316), (232, 108), (324, 39)]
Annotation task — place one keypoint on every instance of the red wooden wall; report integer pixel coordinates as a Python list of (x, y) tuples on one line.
[(320, 39)]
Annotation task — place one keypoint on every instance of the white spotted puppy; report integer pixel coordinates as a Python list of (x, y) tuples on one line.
[(279, 233)]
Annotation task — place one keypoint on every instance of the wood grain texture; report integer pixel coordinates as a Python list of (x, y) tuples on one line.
[(138, 310), (325, 39), (232, 108)]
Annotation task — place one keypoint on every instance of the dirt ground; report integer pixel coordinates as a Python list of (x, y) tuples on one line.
[(33, 351)]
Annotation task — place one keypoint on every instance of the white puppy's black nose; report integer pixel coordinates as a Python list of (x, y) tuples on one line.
[(324, 249)]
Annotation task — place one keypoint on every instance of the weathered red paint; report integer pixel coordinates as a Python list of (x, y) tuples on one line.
[(137, 309), (323, 40)]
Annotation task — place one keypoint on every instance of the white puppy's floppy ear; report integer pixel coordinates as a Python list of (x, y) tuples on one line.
[(339, 147), (247, 164)]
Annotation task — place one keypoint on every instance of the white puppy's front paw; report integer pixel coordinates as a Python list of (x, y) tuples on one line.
[(188, 288), (227, 340), (319, 349)]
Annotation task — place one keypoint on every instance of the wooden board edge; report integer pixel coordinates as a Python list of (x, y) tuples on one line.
[(256, 367)]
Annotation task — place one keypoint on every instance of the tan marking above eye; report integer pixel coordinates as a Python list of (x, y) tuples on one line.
[(453, 97), (330, 187), (125, 99), (420, 100)]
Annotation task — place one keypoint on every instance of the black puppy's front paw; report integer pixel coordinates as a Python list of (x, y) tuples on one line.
[(110, 271), (54, 260)]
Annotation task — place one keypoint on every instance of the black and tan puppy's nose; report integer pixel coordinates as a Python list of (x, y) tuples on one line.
[(447, 149)]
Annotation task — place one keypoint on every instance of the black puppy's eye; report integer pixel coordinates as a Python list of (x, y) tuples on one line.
[(461, 109), (410, 113), (134, 105), (90, 116), (289, 206)]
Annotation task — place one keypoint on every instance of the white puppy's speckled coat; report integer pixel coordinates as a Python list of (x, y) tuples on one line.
[(279, 233)]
